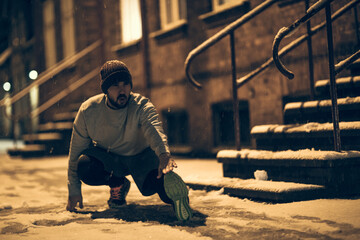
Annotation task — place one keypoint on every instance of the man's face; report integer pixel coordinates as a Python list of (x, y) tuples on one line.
[(118, 94)]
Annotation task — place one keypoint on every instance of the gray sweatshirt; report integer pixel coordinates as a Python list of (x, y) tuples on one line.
[(126, 131)]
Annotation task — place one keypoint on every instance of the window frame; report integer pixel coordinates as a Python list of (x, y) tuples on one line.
[(175, 10), (135, 37), (49, 33), (68, 27), (219, 7)]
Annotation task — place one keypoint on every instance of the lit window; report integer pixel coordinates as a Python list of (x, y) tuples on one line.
[(49, 33), (222, 4), (67, 23), (172, 12), (131, 28)]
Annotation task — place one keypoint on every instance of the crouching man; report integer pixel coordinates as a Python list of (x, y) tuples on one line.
[(116, 134)]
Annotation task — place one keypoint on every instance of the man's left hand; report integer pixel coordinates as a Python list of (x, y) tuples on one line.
[(166, 164)]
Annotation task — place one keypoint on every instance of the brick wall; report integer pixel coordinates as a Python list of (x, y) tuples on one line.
[(167, 53)]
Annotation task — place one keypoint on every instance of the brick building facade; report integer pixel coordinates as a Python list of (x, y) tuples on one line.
[(198, 121)]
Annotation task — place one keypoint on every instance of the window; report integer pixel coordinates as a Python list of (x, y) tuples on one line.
[(67, 23), (131, 28), (49, 33), (176, 126), (172, 13), (221, 4), (224, 124)]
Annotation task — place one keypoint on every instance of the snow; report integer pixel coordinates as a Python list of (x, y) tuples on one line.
[(342, 80), (293, 105), (341, 101), (6, 144), (252, 184), (308, 127), (320, 103), (289, 154), (311, 104), (33, 198), (261, 175), (339, 81)]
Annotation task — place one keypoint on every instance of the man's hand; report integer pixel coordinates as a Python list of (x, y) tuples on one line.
[(73, 201), (166, 164)]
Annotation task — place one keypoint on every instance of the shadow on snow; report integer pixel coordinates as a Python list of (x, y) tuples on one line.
[(163, 214)]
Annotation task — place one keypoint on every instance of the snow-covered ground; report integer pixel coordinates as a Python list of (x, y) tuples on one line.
[(33, 196)]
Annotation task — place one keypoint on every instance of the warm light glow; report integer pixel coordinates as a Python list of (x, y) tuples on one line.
[(7, 86), (131, 20), (33, 74)]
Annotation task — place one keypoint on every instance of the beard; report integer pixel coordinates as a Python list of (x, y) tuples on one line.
[(120, 102)]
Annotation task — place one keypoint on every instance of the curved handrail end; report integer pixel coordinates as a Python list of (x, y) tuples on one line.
[(190, 77), (279, 36)]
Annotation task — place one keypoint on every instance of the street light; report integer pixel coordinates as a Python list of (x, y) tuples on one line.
[(33, 74), (7, 86)]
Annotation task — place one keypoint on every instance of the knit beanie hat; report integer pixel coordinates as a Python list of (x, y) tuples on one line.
[(114, 71)]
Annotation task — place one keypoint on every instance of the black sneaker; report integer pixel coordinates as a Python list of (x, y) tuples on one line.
[(177, 191), (118, 195)]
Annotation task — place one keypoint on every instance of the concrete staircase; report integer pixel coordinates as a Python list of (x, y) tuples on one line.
[(52, 138), (301, 150)]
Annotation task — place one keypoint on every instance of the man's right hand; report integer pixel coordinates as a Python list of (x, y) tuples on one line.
[(73, 201)]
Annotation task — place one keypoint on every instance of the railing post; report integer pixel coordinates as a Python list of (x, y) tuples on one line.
[(333, 91), (310, 54), (357, 25), (235, 95)]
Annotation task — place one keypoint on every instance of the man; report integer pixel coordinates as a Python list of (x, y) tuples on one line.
[(118, 133)]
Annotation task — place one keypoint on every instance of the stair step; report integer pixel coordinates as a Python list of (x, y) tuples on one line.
[(55, 143), (337, 171), (64, 117), (27, 151), (320, 111), (270, 191), (56, 126), (301, 136), (42, 137), (346, 86)]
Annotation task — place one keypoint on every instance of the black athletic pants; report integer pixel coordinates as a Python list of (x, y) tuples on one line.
[(92, 172)]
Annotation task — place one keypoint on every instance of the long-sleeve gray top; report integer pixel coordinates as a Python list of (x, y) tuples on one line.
[(127, 131)]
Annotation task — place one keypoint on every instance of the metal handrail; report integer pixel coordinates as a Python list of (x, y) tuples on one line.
[(46, 76), (287, 30), (333, 69), (229, 30), (50, 72), (74, 86), (220, 35), (295, 43), (346, 62)]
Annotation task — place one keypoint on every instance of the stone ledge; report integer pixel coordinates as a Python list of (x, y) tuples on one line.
[(269, 191), (301, 158), (309, 130), (337, 171)]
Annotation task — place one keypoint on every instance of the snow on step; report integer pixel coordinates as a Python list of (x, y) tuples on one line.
[(305, 154), (339, 81), (321, 103), (307, 128), (251, 184)]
